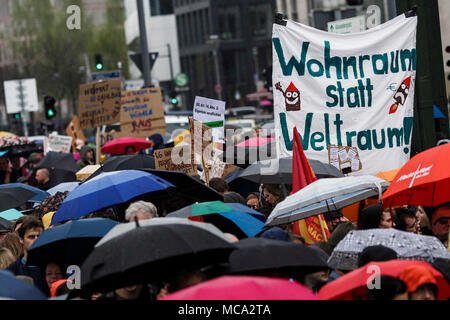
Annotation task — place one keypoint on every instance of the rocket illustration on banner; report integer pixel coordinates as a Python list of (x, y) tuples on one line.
[(400, 95)]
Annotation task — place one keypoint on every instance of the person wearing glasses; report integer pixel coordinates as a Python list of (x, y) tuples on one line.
[(440, 221), (253, 201), (406, 219)]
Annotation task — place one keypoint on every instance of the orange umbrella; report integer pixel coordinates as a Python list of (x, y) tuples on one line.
[(388, 175), (423, 180), (353, 285)]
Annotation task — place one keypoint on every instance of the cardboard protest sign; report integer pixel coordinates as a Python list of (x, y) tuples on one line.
[(73, 130), (109, 136), (344, 157), (87, 171), (211, 113), (219, 169), (354, 90), (58, 143), (142, 113), (163, 161), (99, 103), (201, 138)]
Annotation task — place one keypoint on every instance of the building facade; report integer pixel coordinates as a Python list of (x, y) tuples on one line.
[(161, 38), (224, 46)]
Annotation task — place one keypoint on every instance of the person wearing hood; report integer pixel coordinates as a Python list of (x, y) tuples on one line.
[(86, 157), (157, 142)]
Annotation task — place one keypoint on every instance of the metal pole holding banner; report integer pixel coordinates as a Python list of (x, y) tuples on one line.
[(144, 44), (22, 106), (97, 146)]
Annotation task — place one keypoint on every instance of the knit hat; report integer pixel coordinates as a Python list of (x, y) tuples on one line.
[(232, 197), (376, 253), (276, 234), (415, 276)]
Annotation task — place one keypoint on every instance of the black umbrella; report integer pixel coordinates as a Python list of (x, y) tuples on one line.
[(279, 171), (253, 254), (25, 150), (5, 225), (125, 162), (62, 167), (188, 190), (14, 197), (152, 251)]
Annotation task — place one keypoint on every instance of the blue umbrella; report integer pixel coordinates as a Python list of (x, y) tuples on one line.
[(63, 187), (70, 243), (106, 190), (11, 214), (234, 218), (16, 289), (239, 207), (40, 194)]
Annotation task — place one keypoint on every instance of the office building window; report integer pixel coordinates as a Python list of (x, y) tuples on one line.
[(261, 17), (294, 10), (283, 7), (229, 22), (161, 7)]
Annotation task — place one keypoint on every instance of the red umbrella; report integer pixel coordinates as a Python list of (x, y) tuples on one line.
[(244, 288), (423, 180), (118, 146), (353, 285), (254, 142)]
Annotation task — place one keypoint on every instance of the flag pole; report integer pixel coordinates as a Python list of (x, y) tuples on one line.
[(322, 228), (97, 146)]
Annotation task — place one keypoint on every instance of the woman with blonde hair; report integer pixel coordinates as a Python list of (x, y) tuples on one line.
[(6, 258), (13, 244)]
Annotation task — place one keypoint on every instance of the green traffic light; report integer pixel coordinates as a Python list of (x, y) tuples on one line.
[(174, 100), (50, 113), (17, 116), (99, 66)]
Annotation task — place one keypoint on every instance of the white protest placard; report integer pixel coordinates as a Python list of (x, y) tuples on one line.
[(211, 113), (352, 90), (58, 143)]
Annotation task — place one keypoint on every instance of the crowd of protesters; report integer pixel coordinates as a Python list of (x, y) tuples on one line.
[(413, 283)]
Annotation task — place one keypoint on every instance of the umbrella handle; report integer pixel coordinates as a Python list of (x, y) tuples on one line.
[(379, 191)]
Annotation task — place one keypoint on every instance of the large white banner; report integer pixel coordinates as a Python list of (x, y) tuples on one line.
[(354, 90)]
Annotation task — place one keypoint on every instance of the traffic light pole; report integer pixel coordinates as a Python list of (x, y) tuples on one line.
[(144, 44), (22, 106)]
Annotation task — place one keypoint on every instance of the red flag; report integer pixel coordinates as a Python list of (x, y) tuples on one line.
[(312, 229)]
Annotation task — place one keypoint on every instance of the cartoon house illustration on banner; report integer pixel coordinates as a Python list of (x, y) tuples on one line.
[(291, 96)]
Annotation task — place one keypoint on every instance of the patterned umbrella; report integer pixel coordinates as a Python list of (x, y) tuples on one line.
[(408, 246), (6, 133)]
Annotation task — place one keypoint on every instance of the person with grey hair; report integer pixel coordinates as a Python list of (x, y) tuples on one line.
[(142, 210)]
